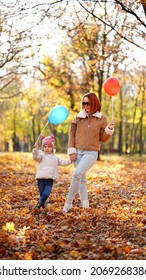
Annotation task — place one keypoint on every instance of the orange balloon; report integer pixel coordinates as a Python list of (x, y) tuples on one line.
[(111, 86)]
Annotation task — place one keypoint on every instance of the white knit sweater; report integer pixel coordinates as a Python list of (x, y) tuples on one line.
[(47, 167)]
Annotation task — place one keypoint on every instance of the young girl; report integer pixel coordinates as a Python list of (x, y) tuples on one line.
[(87, 131), (47, 169)]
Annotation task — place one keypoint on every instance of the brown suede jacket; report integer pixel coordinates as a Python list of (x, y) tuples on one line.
[(87, 132)]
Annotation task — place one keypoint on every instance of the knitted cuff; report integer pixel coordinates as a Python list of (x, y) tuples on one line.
[(71, 151), (109, 131)]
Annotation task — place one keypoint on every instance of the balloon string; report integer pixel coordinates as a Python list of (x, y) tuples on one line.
[(42, 132), (112, 107)]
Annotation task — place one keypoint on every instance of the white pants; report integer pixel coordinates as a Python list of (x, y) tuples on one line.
[(84, 161)]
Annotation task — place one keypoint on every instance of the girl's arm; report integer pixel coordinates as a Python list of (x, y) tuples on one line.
[(64, 162), (36, 153)]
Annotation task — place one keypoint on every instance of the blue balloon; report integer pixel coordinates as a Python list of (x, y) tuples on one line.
[(58, 115)]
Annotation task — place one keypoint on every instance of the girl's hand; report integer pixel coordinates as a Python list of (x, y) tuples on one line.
[(73, 157), (111, 125)]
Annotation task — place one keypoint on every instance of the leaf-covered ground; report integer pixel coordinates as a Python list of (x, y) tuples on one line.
[(114, 227)]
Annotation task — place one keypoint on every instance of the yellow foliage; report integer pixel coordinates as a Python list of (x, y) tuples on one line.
[(28, 256), (9, 226)]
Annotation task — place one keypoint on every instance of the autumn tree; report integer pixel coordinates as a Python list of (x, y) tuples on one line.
[(20, 57)]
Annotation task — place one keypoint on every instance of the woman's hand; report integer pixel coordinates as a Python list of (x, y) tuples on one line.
[(73, 157), (111, 125)]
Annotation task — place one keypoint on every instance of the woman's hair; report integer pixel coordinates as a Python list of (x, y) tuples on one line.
[(94, 101)]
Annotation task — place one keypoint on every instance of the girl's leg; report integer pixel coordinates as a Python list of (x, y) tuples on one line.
[(47, 190), (41, 185)]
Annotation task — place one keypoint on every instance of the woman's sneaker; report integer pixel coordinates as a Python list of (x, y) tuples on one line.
[(67, 206), (85, 203)]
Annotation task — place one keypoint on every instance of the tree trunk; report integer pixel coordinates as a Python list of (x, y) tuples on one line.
[(120, 148)]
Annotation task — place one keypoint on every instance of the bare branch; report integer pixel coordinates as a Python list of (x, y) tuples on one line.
[(126, 9), (112, 27)]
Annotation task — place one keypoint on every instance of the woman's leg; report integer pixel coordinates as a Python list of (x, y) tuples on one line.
[(84, 162), (83, 193), (83, 189)]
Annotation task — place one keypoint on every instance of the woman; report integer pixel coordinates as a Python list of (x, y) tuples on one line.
[(87, 131)]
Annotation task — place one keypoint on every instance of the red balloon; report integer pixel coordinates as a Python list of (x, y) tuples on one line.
[(111, 86)]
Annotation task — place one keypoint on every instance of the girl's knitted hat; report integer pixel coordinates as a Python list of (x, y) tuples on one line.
[(49, 140)]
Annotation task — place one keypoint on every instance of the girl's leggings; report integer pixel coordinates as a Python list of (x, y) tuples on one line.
[(45, 187)]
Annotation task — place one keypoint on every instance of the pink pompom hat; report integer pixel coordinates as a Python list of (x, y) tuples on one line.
[(48, 140)]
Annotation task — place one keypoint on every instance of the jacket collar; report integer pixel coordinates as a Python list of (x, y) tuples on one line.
[(84, 114)]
